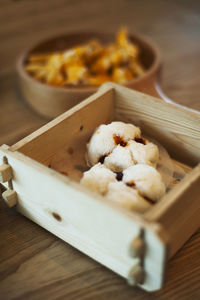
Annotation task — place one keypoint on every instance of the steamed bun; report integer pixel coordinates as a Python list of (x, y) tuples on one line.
[(146, 179), (120, 159), (147, 153), (98, 178), (123, 166), (133, 153), (127, 197), (107, 137)]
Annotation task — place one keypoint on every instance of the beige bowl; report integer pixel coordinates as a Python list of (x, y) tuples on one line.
[(50, 101)]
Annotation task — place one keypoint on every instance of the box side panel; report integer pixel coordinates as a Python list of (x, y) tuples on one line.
[(179, 210), (79, 121), (85, 222), (83, 219), (177, 129)]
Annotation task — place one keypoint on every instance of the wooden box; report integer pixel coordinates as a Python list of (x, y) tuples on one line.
[(136, 246)]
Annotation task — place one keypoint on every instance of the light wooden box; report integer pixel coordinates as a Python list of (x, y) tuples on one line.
[(136, 246)]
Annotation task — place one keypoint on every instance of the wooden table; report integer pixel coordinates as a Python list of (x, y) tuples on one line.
[(34, 264)]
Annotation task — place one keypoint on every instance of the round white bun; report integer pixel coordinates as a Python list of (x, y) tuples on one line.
[(107, 137), (120, 159), (98, 178), (127, 197), (146, 180), (144, 153)]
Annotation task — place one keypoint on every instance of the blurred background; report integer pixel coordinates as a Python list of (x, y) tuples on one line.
[(174, 26)]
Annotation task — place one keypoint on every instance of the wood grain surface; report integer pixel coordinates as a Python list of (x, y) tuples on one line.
[(34, 264)]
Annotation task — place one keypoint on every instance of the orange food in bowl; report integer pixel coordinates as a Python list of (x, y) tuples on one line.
[(89, 64)]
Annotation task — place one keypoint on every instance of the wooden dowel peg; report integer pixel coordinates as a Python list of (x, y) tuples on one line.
[(137, 247), (10, 197), (5, 173), (136, 275)]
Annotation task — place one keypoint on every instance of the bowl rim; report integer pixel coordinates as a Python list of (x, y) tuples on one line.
[(89, 89)]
